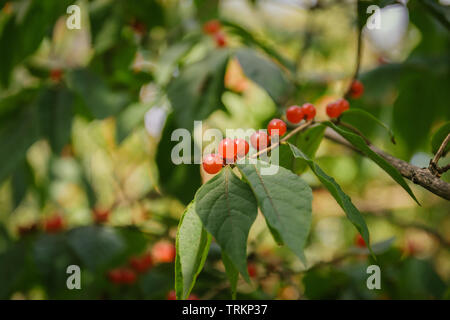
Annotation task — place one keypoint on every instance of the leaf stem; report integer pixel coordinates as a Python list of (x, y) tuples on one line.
[(354, 130)]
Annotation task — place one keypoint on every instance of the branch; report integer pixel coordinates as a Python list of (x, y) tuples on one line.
[(434, 168), (420, 176), (383, 213)]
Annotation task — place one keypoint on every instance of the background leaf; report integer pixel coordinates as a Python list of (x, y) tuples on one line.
[(98, 100), (439, 137), (172, 178), (265, 73), (56, 115), (197, 91)]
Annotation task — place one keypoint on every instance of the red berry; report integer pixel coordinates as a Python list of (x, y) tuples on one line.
[(56, 75), (128, 276), (212, 163), (359, 241), (241, 147), (172, 295), (54, 224), (141, 264), (333, 110), (193, 296), (228, 150), (343, 105), (294, 114), (252, 272), (115, 276), (101, 216), (309, 111), (212, 27), (220, 39), (163, 251), (356, 90), (276, 127), (259, 140)]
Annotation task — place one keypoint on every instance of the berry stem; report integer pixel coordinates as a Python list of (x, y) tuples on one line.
[(358, 58), (286, 137)]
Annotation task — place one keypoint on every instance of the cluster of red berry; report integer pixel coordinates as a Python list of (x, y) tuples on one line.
[(162, 252), (141, 264), (173, 296), (295, 114), (54, 224), (214, 29), (230, 150), (335, 108), (122, 275), (100, 215)]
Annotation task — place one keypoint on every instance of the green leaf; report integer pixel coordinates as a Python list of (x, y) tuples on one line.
[(342, 198), (96, 246), (440, 12), (285, 201), (359, 117), (264, 72), (129, 119), (99, 101), (309, 141), (228, 209), (172, 178), (360, 144), (197, 91), (249, 39), (206, 9), (56, 115), (232, 274), (21, 179), (23, 32), (439, 137), (412, 120), (192, 246), (17, 134), (171, 57)]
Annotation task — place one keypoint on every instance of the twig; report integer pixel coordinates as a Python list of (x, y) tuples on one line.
[(358, 59), (433, 167), (422, 227), (420, 176), (385, 213), (286, 137)]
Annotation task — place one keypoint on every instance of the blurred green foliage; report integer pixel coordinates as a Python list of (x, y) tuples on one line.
[(76, 142)]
